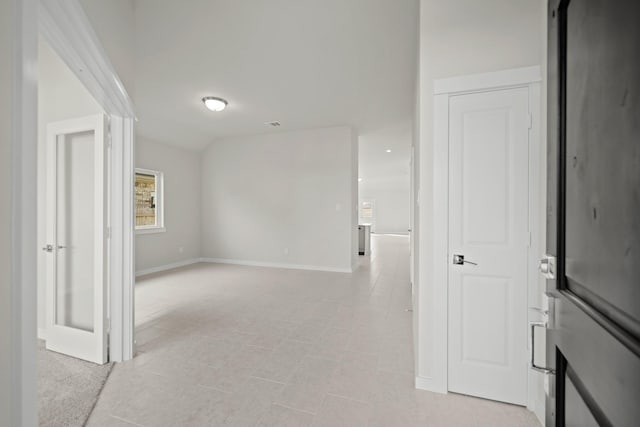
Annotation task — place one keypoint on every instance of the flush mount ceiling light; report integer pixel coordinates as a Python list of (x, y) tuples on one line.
[(214, 104), (359, 179), (388, 151)]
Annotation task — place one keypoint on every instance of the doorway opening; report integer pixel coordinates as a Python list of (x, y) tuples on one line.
[(72, 197), (384, 183)]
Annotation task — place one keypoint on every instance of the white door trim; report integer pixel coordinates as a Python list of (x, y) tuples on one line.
[(438, 305), (516, 77), (68, 30)]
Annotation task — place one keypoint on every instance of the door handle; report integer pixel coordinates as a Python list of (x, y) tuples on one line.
[(459, 260), (532, 364), (48, 248)]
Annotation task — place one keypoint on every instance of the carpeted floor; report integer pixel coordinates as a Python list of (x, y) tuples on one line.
[(68, 388)]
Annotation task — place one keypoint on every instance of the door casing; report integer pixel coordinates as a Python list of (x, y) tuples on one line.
[(529, 77)]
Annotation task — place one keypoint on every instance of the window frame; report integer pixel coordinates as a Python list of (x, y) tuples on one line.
[(159, 226)]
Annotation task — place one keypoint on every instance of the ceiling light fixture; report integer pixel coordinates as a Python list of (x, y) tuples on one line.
[(388, 151), (214, 104), (359, 179)]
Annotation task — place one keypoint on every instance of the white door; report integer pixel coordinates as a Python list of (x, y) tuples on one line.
[(488, 225), (76, 238)]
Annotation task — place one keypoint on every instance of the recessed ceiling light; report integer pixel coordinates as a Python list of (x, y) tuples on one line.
[(214, 104), (359, 179), (388, 151)]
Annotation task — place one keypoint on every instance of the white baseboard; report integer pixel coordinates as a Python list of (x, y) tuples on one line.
[(42, 334), (430, 384), (167, 267), (276, 265)]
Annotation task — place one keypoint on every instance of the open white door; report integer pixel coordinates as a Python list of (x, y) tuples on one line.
[(76, 238), (488, 244)]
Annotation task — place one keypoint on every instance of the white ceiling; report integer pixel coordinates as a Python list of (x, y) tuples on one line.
[(304, 63)]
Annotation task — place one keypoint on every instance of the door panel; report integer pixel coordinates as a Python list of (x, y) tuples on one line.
[(603, 154), (74, 230), (488, 224), (76, 226), (593, 341)]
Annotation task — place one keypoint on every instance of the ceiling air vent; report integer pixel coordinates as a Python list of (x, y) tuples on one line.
[(273, 124)]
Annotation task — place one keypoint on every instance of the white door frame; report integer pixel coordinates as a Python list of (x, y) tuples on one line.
[(529, 77), (67, 29)]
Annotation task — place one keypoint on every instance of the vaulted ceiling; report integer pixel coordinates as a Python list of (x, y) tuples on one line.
[(304, 63)]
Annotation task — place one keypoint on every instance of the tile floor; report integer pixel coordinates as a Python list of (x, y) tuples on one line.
[(222, 345)]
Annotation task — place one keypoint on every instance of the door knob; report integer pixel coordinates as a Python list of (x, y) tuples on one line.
[(459, 260), (48, 248)]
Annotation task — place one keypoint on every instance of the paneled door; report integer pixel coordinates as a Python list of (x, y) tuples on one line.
[(488, 244), (593, 213), (76, 238)]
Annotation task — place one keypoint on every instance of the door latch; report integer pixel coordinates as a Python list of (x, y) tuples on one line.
[(459, 260), (48, 248)]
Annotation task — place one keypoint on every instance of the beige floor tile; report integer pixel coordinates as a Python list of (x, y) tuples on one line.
[(279, 416), (339, 412), (105, 420), (251, 403), (226, 345), (283, 361), (305, 395)]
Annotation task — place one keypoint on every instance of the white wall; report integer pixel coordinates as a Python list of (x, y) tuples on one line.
[(18, 88), (392, 209), (282, 198), (460, 37), (7, 21), (61, 96), (182, 206)]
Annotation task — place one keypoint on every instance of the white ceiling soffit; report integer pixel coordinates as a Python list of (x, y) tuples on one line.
[(303, 63)]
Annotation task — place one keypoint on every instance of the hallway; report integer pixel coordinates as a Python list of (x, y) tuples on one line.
[(244, 346)]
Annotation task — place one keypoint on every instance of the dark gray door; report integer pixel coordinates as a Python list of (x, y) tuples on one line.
[(593, 341)]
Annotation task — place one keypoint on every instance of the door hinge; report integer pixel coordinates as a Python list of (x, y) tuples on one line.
[(529, 239), (108, 232), (530, 120)]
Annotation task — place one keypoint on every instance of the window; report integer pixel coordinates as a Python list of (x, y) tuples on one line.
[(149, 201)]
